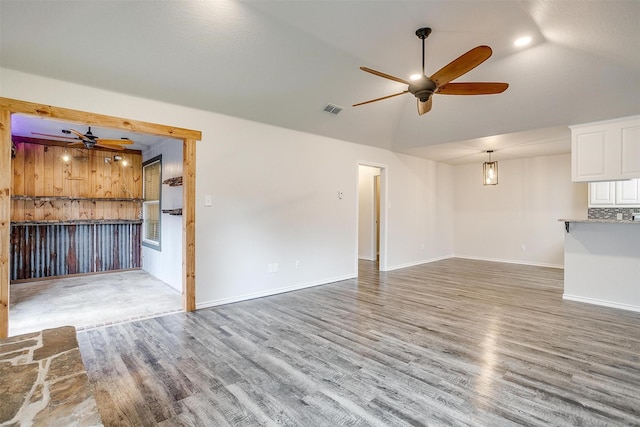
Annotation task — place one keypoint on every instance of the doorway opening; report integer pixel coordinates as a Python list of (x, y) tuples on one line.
[(77, 254), (186, 136), (371, 242)]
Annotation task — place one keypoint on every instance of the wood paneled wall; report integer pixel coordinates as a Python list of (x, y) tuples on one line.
[(46, 188)]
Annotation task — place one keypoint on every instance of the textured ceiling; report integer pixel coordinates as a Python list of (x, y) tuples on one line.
[(281, 62)]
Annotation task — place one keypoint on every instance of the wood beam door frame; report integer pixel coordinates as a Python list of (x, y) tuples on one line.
[(189, 137)]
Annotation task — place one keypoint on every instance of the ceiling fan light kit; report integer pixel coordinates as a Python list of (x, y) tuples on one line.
[(423, 88)]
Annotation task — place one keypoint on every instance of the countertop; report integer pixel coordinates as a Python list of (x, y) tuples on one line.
[(602, 221)]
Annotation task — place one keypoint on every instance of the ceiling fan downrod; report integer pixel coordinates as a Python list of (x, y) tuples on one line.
[(422, 34), (423, 88), (89, 134)]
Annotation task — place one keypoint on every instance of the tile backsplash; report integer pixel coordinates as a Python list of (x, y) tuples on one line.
[(611, 213)]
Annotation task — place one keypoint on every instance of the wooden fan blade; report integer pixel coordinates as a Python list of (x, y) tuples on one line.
[(110, 147), (461, 65), (380, 99), (475, 88), (113, 141), (81, 136), (53, 136), (386, 76), (77, 144), (424, 107)]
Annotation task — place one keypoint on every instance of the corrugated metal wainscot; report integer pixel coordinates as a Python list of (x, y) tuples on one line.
[(45, 250)]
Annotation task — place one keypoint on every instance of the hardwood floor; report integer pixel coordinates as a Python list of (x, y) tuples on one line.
[(455, 342)]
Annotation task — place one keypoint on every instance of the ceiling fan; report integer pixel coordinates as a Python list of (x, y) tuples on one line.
[(440, 82), (89, 140)]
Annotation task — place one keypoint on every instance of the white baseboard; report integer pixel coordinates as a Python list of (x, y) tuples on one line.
[(245, 297), (601, 302), (510, 261), (412, 264)]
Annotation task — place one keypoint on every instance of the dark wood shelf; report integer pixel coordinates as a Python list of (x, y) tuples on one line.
[(173, 182), (85, 199), (172, 211)]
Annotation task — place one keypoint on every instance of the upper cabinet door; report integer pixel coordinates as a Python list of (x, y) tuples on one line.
[(589, 152), (602, 194), (628, 192), (630, 146), (606, 151)]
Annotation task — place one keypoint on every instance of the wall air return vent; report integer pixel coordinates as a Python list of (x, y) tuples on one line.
[(333, 109)]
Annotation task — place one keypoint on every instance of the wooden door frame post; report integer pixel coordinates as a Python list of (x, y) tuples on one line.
[(189, 137), (189, 224), (5, 218)]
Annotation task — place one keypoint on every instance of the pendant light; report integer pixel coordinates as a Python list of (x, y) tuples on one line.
[(490, 171)]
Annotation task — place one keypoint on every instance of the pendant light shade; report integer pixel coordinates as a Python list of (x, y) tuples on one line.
[(490, 171)]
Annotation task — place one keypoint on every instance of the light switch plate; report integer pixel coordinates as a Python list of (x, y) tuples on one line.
[(207, 200)]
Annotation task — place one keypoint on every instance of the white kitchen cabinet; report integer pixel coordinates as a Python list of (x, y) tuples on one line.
[(628, 192), (614, 194), (606, 151), (602, 194)]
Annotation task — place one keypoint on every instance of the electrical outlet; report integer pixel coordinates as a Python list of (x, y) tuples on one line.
[(619, 216)]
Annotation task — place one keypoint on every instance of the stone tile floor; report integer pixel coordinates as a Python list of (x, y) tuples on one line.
[(43, 381)]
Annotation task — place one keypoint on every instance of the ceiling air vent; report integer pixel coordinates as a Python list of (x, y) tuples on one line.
[(333, 109)]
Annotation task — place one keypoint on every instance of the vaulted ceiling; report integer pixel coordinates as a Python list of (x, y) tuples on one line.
[(282, 62)]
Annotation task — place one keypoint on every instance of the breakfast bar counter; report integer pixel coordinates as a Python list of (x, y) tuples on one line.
[(602, 262)]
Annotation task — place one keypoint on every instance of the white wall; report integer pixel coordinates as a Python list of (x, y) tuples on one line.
[(598, 254), (493, 222), (366, 212), (166, 264), (275, 195)]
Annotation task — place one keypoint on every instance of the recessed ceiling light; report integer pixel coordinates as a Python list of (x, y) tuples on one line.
[(522, 41), (415, 77)]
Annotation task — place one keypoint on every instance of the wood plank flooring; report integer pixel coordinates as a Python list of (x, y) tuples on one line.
[(454, 342)]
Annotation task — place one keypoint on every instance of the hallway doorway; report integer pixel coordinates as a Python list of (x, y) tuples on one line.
[(371, 241)]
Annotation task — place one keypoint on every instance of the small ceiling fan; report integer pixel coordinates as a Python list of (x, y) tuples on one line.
[(89, 140), (440, 82)]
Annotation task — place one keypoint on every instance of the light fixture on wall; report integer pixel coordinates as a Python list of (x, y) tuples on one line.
[(65, 157), (490, 171), (120, 159)]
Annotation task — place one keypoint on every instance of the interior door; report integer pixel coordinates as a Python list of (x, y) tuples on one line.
[(376, 192)]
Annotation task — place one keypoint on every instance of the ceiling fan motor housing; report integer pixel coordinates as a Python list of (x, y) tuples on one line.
[(423, 88)]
